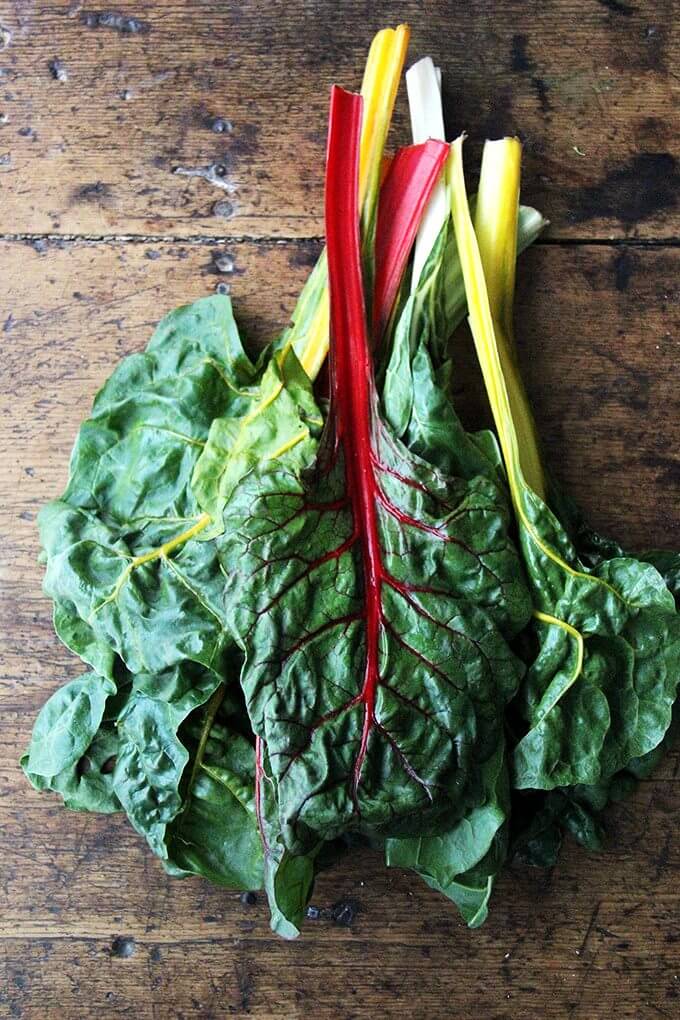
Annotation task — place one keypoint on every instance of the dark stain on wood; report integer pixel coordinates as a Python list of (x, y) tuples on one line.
[(519, 58), (124, 24), (98, 193), (645, 185), (624, 264), (497, 119), (618, 7), (123, 947), (541, 89)]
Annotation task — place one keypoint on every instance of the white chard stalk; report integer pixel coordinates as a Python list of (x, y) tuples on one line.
[(423, 84)]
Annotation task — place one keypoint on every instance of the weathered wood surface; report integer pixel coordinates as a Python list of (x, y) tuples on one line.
[(89, 925), (91, 144)]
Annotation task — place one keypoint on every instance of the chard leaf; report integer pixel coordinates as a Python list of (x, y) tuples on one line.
[(457, 861), (87, 784), (134, 456), (383, 579), (81, 639), (155, 607), (471, 891), (122, 561), (462, 846), (215, 835), (281, 421), (66, 725), (542, 819), (288, 878), (668, 565), (152, 757), (601, 688)]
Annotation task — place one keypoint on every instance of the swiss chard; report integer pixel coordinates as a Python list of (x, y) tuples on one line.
[(600, 689), (358, 573), (376, 574)]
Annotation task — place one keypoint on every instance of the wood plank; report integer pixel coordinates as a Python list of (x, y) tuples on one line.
[(595, 938), (573, 942), (591, 86)]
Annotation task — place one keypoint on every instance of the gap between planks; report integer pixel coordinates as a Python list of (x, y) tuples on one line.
[(208, 239)]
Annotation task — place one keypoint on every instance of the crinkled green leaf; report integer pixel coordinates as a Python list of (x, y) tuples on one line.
[(155, 607), (542, 818), (152, 757), (280, 421), (81, 639), (601, 689), (123, 565), (288, 878), (471, 891), (447, 854), (667, 563), (66, 725), (134, 457), (87, 784), (294, 595), (216, 835), (450, 861)]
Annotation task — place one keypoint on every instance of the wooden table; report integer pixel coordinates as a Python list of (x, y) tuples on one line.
[(138, 145)]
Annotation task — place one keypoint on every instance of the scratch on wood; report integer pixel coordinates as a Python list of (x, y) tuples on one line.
[(591, 924)]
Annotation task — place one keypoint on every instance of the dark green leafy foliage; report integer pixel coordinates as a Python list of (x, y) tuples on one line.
[(367, 590), (72, 750), (463, 860), (601, 689), (295, 598), (138, 596), (152, 758), (215, 834), (288, 878), (124, 563)]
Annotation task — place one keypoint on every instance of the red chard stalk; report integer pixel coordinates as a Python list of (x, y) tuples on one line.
[(371, 594)]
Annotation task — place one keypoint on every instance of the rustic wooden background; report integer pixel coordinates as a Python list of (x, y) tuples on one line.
[(138, 144)]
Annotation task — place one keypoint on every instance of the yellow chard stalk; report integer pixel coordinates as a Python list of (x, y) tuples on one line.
[(488, 255), (309, 332)]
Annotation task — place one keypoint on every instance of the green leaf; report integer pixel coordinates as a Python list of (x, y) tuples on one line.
[(472, 890), (81, 639), (67, 724), (124, 566), (134, 456), (215, 835), (294, 596), (152, 757), (288, 878), (280, 422), (450, 861), (154, 607), (668, 565), (86, 785), (601, 689)]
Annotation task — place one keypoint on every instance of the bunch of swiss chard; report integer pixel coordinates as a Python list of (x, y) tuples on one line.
[(311, 623)]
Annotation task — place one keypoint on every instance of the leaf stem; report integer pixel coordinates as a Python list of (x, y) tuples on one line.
[(512, 416), (423, 84), (211, 709), (309, 332), (496, 229)]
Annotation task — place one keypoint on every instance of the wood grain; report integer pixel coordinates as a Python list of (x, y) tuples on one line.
[(89, 925), (99, 109), (94, 144)]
